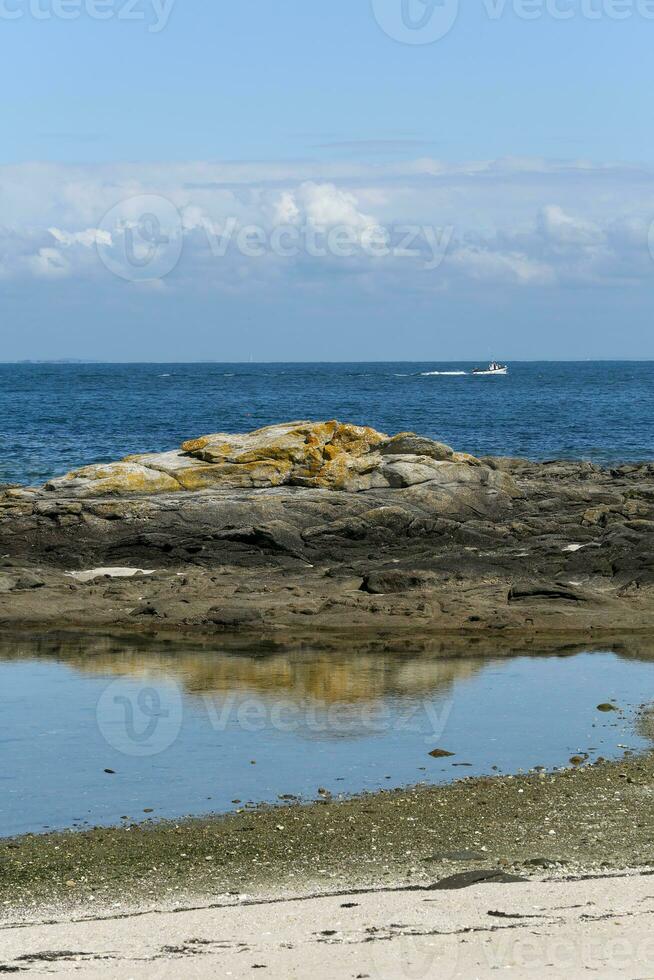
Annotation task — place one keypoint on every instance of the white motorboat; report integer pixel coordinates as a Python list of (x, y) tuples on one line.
[(493, 368)]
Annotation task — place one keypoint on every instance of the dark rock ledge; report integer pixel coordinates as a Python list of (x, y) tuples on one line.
[(325, 528)]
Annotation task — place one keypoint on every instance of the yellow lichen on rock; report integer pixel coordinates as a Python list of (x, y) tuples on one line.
[(195, 445), (244, 475), (125, 477), (319, 455), (299, 442)]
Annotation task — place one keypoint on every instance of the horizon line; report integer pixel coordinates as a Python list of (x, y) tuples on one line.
[(72, 362)]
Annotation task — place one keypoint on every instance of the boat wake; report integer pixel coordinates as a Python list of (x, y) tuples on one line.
[(450, 374)]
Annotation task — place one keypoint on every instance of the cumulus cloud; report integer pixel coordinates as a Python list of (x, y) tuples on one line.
[(516, 222), (565, 229), (326, 205), (286, 210)]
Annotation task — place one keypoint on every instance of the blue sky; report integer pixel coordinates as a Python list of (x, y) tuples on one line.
[(524, 144)]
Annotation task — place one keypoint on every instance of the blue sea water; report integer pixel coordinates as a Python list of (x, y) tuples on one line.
[(63, 725), (57, 416)]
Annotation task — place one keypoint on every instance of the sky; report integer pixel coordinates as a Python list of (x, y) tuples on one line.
[(326, 180)]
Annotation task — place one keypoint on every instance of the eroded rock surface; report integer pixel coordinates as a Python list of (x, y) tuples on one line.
[(327, 527), (322, 455)]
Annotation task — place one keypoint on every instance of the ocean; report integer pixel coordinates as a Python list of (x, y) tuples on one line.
[(59, 416)]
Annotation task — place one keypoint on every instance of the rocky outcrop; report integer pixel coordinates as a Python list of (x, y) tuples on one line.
[(326, 526), (302, 489), (320, 455)]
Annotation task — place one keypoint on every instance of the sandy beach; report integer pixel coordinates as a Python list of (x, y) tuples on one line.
[(600, 927), (548, 875)]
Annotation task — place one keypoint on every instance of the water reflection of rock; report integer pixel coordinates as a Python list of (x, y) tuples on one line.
[(325, 677), (366, 673)]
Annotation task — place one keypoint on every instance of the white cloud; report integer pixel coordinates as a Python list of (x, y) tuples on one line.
[(87, 238), (564, 229), (286, 210), (516, 222), (326, 205)]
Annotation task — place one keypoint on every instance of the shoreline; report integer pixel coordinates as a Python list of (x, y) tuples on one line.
[(531, 873), (80, 645), (594, 819), (293, 605), (458, 642)]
